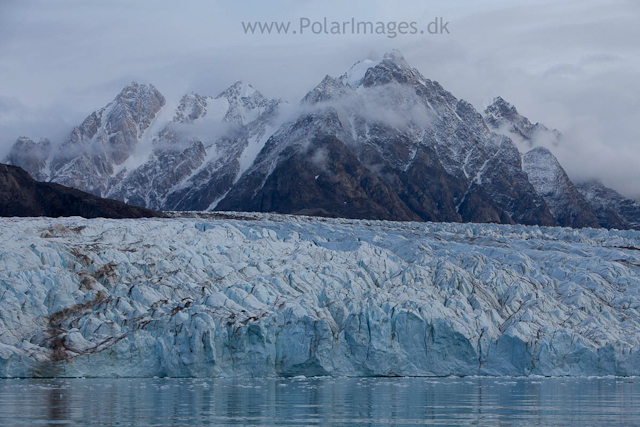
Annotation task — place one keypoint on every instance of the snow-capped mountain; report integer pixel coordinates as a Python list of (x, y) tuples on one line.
[(198, 156), (97, 150), (140, 150), (566, 203), (382, 141), (379, 142), (589, 204), (254, 117), (504, 118)]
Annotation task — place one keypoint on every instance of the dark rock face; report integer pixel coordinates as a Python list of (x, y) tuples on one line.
[(504, 194), (326, 180), (427, 156), (426, 188), (566, 205), (21, 195), (612, 209)]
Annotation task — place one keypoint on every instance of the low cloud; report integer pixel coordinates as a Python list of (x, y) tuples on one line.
[(16, 119), (572, 65)]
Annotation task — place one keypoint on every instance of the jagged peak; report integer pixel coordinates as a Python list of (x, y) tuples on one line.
[(141, 102), (191, 96), (330, 80), (238, 90), (502, 108), (328, 88), (501, 113), (24, 141), (498, 100), (191, 107), (25, 144), (137, 90), (396, 57), (131, 86), (356, 74), (542, 156)]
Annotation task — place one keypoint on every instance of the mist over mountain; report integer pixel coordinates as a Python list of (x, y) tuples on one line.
[(381, 141)]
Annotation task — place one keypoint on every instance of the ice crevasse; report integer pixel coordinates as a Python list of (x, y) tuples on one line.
[(275, 295)]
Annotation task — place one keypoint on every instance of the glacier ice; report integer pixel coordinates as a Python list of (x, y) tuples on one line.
[(270, 295)]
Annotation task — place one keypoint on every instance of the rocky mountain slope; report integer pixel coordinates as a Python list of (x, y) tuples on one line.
[(21, 195), (140, 150), (566, 203), (379, 142), (269, 295), (588, 204), (505, 118), (612, 208), (384, 142), (98, 149)]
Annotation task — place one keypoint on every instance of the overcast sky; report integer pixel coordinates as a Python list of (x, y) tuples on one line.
[(573, 65)]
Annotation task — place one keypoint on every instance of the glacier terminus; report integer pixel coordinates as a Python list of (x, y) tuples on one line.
[(263, 295)]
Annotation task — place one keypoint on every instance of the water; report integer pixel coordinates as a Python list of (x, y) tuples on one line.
[(321, 401)]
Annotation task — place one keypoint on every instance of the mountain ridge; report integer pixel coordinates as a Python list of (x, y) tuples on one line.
[(22, 196), (400, 145)]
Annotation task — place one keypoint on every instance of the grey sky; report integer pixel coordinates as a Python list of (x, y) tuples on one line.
[(573, 65)]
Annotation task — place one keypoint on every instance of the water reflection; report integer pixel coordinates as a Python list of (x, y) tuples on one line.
[(322, 401)]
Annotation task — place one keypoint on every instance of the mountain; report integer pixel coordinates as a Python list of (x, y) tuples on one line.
[(566, 203), (612, 209), (504, 118), (380, 141), (97, 149), (588, 204), (31, 156), (21, 195), (139, 150), (253, 118), (384, 142)]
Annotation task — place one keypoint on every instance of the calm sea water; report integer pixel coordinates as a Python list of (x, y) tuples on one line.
[(321, 401)]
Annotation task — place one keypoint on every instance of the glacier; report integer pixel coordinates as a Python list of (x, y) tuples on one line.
[(261, 295)]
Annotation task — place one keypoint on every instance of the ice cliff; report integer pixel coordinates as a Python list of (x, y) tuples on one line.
[(266, 295)]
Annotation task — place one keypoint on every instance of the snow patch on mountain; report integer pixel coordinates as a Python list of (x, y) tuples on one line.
[(565, 202), (356, 73), (255, 144)]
